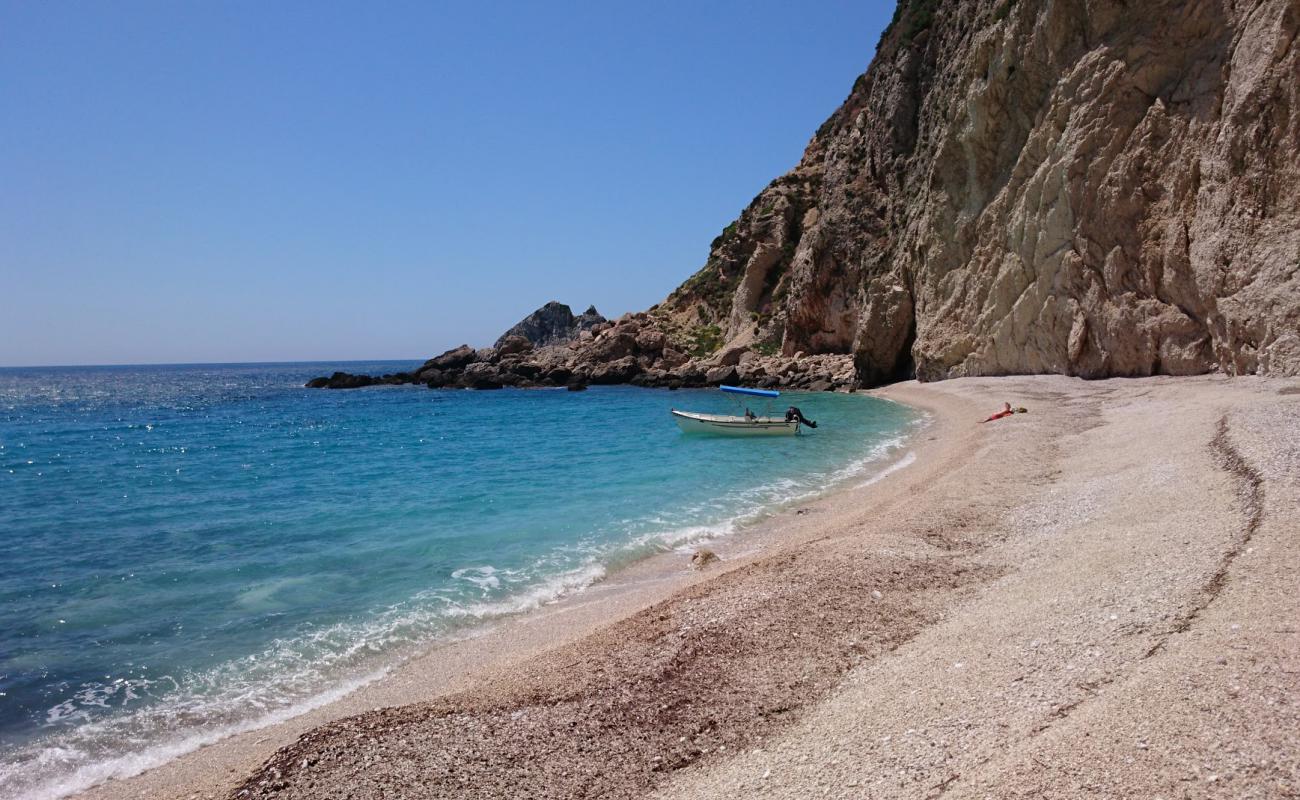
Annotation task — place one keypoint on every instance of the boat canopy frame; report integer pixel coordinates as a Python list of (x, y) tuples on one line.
[(754, 392)]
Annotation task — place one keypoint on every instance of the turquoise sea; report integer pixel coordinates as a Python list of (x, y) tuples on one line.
[(191, 551)]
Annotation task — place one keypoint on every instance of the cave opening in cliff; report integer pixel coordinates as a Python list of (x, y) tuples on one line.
[(886, 367), (905, 362)]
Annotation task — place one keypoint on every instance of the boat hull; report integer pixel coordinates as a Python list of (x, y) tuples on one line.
[(720, 425)]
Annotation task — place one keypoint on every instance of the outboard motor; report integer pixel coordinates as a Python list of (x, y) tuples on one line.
[(793, 413)]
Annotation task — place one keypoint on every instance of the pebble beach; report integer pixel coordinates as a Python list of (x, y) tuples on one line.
[(1097, 598)]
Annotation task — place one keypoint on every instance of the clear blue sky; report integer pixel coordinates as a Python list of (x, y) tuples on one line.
[(258, 181)]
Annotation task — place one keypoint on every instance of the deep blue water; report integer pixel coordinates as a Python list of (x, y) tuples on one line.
[(186, 551)]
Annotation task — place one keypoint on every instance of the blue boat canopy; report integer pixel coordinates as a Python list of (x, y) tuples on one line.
[(756, 392)]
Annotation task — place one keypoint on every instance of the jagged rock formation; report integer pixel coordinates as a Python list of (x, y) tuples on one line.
[(553, 323), (629, 350), (1087, 187)]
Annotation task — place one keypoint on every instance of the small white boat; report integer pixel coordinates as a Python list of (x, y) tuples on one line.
[(693, 422), (747, 425)]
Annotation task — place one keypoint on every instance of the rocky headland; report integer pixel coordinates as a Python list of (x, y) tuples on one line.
[(1093, 189), (544, 350)]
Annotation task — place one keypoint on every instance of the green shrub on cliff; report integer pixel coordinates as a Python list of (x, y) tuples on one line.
[(722, 238), (915, 15), (704, 341), (710, 286), (921, 17)]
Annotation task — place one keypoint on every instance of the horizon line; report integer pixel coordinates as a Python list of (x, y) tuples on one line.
[(420, 360)]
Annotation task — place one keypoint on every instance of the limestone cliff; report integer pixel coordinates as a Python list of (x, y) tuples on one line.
[(1088, 187)]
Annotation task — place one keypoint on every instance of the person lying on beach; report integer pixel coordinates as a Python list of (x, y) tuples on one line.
[(1005, 412)]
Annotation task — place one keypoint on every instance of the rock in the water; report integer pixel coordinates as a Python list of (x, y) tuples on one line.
[(481, 375), (454, 359), (528, 369), (343, 380)]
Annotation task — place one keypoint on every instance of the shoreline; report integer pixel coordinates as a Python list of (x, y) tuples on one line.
[(440, 667), (1050, 573)]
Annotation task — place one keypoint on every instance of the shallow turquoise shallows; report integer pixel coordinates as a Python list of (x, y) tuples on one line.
[(189, 551)]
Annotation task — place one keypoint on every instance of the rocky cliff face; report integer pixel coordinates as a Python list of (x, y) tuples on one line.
[(1087, 187)]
